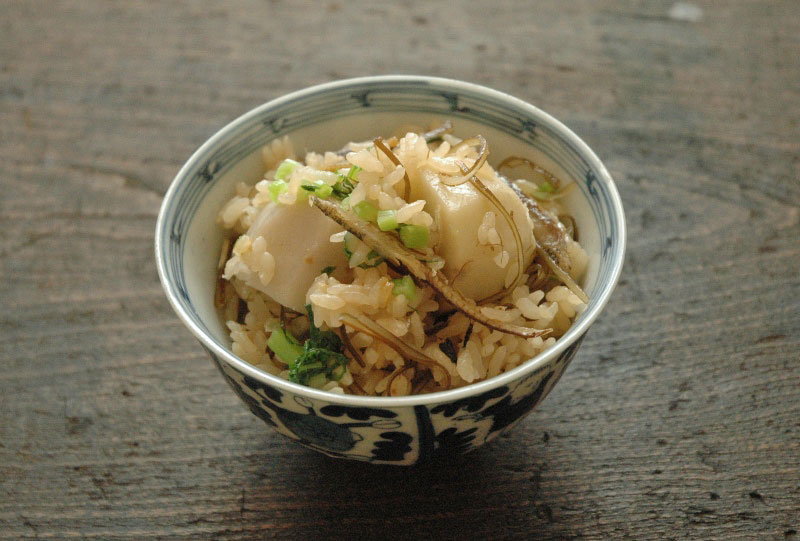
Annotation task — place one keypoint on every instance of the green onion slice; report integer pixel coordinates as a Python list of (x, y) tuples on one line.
[(415, 237), (285, 168), (387, 220)]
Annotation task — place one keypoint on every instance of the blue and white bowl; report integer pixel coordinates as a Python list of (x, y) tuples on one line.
[(383, 430)]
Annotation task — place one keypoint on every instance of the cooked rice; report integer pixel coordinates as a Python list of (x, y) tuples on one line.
[(485, 353)]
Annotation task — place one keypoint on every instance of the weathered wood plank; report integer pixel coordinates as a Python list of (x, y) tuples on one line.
[(679, 416)]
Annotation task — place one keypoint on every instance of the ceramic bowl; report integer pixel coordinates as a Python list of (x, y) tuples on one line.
[(386, 430)]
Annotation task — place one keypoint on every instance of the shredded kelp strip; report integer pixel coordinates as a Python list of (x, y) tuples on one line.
[(561, 274), (519, 251), (407, 351), (378, 142)]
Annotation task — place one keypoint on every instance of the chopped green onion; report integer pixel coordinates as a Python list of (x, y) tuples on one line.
[(373, 260), (276, 188), (324, 191), (285, 346), (351, 174), (346, 202), (349, 245), (387, 220), (405, 286), (415, 236), (285, 169), (344, 186), (546, 187), (302, 195), (328, 270), (366, 211), (319, 188)]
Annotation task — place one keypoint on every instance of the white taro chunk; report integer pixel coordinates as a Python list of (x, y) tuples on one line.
[(297, 236), (459, 212)]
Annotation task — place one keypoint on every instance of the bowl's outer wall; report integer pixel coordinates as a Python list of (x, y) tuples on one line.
[(397, 435), (390, 430)]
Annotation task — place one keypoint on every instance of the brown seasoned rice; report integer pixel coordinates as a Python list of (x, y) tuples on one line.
[(480, 352)]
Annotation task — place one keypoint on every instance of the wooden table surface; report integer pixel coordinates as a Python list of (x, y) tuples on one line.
[(679, 417)]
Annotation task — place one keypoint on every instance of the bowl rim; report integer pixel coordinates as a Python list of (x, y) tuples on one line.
[(531, 365)]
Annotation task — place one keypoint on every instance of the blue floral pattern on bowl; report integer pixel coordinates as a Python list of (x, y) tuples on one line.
[(403, 435)]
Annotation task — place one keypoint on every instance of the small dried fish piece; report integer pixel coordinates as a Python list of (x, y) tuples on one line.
[(437, 133), (551, 242), (429, 136), (391, 248)]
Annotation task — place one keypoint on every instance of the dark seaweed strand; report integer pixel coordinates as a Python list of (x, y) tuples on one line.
[(348, 345), (395, 374), (219, 289), (440, 320), (378, 142), (423, 378), (448, 349), (241, 312), (467, 335), (219, 292)]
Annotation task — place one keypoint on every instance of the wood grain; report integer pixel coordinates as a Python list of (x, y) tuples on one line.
[(680, 416)]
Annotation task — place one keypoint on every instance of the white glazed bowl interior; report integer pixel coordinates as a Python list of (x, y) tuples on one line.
[(326, 117)]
